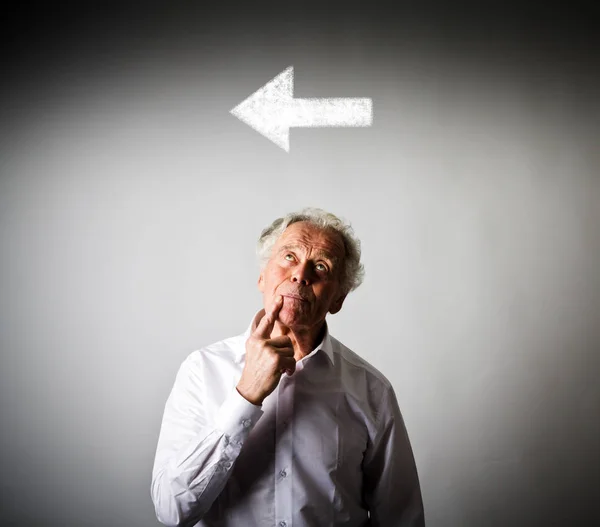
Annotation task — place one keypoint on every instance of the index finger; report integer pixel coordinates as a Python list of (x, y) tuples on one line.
[(266, 324)]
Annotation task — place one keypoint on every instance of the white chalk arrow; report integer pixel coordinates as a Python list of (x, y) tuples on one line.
[(272, 110)]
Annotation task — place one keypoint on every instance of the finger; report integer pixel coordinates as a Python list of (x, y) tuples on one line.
[(285, 352), (283, 341), (265, 326), (257, 318)]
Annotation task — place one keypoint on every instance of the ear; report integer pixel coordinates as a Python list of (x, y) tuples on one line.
[(261, 283), (337, 305)]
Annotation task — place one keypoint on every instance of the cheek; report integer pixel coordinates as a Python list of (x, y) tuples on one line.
[(328, 299), (275, 277), (270, 285)]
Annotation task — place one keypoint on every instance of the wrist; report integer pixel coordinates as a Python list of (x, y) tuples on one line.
[(251, 398)]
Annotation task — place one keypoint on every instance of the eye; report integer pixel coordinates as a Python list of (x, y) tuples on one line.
[(323, 267), (290, 255)]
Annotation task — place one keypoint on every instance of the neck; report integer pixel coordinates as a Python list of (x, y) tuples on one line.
[(303, 340)]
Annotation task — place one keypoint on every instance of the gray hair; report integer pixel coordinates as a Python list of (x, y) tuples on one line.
[(353, 271)]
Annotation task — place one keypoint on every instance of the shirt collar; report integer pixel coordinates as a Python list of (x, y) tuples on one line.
[(325, 344)]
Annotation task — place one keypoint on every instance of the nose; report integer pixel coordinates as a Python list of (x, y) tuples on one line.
[(301, 274)]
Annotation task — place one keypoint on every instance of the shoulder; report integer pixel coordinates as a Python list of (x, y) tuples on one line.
[(214, 357), (350, 360), (207, 375)]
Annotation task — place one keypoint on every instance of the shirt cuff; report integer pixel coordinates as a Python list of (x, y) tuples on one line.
[(237, 417)]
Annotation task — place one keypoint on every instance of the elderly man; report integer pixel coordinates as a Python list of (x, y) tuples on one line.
[(283, 425)]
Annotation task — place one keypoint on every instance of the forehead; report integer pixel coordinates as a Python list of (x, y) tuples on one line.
[(308, 236)]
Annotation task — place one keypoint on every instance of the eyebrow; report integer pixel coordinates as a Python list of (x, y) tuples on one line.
[(319, 253)]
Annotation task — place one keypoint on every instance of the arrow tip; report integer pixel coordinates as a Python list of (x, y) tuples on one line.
[(263, 110)]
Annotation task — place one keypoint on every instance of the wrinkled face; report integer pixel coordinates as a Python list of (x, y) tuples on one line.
[(305, 268)]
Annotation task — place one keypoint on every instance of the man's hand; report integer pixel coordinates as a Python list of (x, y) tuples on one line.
[(266, 359)]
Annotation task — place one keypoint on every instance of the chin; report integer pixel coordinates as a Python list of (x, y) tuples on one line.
[(292, 318)]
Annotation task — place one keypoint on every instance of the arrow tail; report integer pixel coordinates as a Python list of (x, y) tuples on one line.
[(330, 112)]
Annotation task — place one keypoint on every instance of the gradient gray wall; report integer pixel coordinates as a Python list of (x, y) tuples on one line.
[(130, 201)]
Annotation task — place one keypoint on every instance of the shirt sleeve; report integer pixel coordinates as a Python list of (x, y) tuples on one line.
[(195, 454), (391, 484)]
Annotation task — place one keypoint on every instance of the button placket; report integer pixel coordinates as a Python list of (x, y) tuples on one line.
[(283, 452)]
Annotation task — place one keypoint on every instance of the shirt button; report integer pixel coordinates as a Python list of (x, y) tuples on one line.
[(283, 473), (246, 423), (282, 524)]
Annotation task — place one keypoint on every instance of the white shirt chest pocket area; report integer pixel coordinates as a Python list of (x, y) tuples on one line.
[(330, 431)]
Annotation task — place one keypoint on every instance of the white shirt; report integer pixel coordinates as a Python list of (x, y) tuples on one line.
[(328, 447)]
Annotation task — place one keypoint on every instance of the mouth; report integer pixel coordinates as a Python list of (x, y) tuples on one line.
[(296, 297)]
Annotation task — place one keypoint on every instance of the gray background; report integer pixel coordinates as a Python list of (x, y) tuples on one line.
[(130, 202)]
